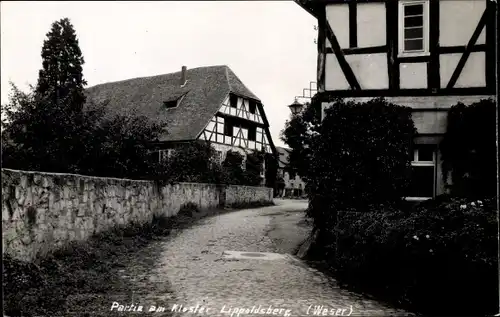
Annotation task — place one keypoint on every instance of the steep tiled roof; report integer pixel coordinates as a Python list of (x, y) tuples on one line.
[(200, 98)]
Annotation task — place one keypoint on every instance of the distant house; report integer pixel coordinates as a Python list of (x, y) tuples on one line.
[(294, 185), (206, 103)]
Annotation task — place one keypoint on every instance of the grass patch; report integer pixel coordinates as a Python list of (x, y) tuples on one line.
[(62, 281), (87, 276)]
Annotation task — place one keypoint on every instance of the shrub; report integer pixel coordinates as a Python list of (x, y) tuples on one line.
[(254, 165), (191, 162), (360, 158), (469, 149), (233, 169), (188, 209), (441, 253)]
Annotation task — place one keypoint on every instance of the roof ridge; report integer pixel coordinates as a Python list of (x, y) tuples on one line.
[(158, 75), (227, 78)]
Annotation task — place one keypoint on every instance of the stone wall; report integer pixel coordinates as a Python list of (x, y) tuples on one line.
[(42, 212), (238, 195)]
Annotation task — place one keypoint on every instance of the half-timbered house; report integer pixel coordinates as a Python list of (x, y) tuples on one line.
[(207, 103), (425, 54)]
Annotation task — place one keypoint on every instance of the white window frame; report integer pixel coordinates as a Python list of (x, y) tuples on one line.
[(401, 33), (418, 163), (164, 154)]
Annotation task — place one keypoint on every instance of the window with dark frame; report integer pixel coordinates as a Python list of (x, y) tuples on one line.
[(233, 101), (228, 129), (252, 107), (252, 133)]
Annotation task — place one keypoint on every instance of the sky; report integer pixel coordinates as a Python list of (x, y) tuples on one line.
[(268, 44)]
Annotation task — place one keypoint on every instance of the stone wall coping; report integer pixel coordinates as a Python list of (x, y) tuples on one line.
[(119, 179)]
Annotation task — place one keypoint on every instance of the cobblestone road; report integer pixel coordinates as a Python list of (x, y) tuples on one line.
[(192, 263)]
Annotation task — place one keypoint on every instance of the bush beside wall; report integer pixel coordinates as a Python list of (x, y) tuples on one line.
[(360, 158), (469, 150), (440, 258)]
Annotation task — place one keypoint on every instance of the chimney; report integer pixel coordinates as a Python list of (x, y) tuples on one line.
[(183, 75)]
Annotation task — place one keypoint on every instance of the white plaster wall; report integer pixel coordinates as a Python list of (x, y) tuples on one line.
[(334, 77), (412, 75), (473, 74), (458, 20), (371, 24), (430, 121), (338, 17), (370, 70)]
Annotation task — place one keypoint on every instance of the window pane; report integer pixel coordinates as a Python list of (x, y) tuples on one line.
[(414, 33), (422, 182), (414, 45), (425, 153), (414, 21), (252, 107), (414, 9), (233, 100)]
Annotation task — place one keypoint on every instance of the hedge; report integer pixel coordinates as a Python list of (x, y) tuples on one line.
[(440, 258), (469, 149), (360, 158)]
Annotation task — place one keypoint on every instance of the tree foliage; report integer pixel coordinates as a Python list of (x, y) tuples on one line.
[(272, 181), (254, 165), (469, 150), (360, 158), (53, 128), (299, 133), (233, 166), (191, 162)]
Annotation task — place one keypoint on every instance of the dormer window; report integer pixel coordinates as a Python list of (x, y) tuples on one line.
[(170, 104), (414, 27)]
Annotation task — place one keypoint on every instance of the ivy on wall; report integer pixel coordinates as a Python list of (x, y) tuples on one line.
[(469, 150)]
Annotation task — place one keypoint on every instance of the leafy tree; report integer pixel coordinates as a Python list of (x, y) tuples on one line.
[(469, 150), (254, 165), (233, 167), (54, 128), (272, 180), (192, 162), (299, 133), (45, 124), (360, 158)]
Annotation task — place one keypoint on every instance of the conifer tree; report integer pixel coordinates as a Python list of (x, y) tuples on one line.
[(46, 125)]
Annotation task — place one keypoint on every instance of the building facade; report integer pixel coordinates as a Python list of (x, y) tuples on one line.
[(425, 54), (207, 103), (294, 186)]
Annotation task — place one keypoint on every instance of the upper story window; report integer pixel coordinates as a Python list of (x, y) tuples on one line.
[(252, 106), (414, 27), (228, 129), (252, 133), (233, 101)]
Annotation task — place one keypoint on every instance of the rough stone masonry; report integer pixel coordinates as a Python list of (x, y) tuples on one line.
[(42, 212)]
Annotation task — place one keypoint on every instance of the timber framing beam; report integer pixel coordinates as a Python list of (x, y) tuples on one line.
[(344, 65), (468, 50), (391, 9), (433, 73)]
